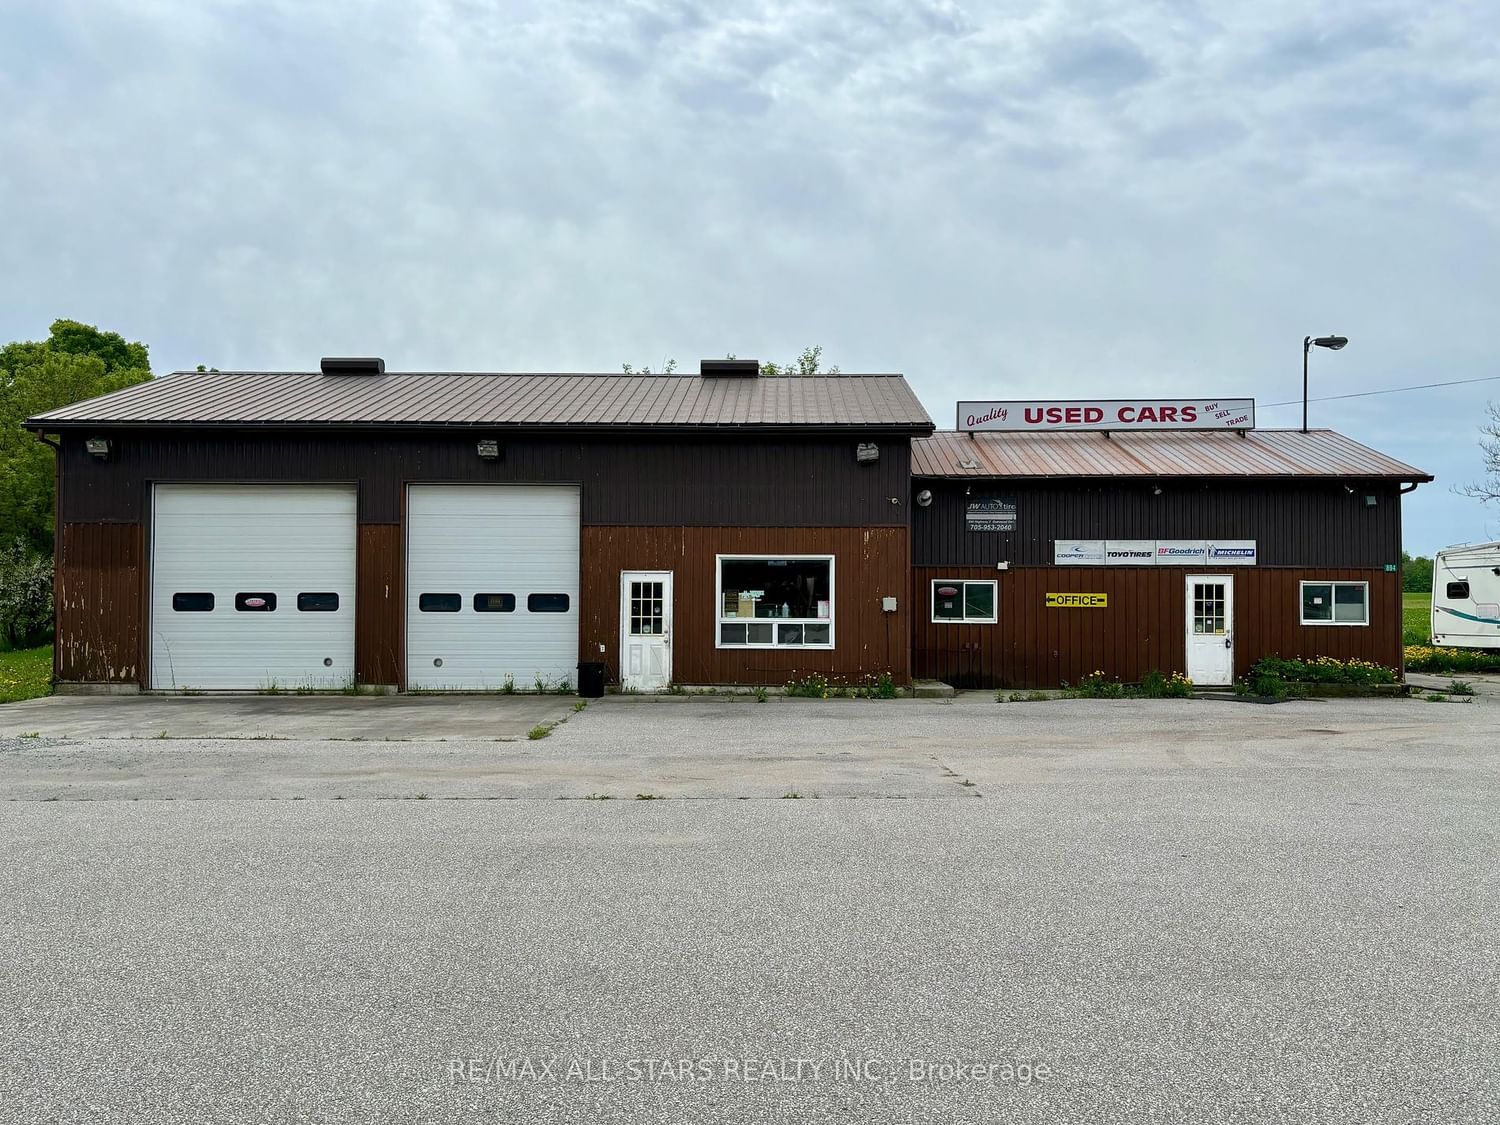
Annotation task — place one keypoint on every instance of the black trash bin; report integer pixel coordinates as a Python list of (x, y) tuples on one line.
[(591, 679)]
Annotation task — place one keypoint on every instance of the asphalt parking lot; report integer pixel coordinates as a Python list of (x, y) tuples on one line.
[(1166, 911)]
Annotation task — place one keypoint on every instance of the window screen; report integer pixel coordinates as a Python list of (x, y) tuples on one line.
[(193, 603), (494, 603), (317, 603), (439, 603), (255, 603), (547, 603), (1458, 590)]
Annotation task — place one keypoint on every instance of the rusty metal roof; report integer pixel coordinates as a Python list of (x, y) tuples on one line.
[(264, 398), (1260, 453)]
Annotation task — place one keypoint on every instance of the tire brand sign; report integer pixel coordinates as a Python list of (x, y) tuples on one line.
[(1154, 552)]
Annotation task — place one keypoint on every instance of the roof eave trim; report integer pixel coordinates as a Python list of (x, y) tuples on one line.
[(43, 425)]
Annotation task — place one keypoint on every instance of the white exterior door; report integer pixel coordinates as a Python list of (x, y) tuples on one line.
[(1210, 629), (491, 586), (646, 630), (252, 586)]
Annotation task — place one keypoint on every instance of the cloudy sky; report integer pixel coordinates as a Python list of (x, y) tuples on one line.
[(998, 199)]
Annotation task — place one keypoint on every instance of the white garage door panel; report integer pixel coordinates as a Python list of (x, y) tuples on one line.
[(252, 539), (491, 539)]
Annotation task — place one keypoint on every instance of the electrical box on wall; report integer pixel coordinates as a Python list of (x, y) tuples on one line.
[(888, 605)]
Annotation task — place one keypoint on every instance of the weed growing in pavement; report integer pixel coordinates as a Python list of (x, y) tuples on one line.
[(541, 730), (509, 686), (647, 797), (580, 705), (598, 797), (31, 734), (791, 795), (761, 695), (1459, 687)]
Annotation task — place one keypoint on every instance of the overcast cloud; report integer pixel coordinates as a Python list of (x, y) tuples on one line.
[(998, 199)]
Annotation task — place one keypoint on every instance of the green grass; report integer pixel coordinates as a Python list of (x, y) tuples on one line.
[(25, 673), (1416, 619)]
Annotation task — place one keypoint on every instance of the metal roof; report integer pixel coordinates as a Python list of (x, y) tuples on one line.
[(264, 398), (1258, 454)]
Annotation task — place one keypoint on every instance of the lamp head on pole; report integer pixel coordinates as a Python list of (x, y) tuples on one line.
[(1333, 343)]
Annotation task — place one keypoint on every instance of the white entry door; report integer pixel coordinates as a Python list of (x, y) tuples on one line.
[(1210, 629), (645, 630)]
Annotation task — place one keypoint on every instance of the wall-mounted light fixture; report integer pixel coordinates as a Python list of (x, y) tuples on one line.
[(1371, 500), (1156, 490), (98, 448), (867, 452), (924, 498), (488, 449)]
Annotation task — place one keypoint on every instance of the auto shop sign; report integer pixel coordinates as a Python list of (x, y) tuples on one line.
[(990, 513), (1116, 415)]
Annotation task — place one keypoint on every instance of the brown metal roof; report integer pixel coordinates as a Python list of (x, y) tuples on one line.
[(1260, 453), (264, 398)]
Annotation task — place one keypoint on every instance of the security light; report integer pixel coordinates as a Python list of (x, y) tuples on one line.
[(924, 498), (866, 452), (489, 449), (98, 447)]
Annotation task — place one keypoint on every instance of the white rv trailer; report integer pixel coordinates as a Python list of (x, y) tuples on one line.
[(1466, 596)]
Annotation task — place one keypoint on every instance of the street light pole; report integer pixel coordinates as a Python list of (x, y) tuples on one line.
[(1333, 344)]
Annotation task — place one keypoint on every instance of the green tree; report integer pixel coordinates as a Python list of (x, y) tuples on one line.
[(810, 362), (76, 361), (1416, 574)]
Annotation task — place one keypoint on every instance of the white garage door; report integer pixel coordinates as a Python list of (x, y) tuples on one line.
[(252, 586), (492, 586)]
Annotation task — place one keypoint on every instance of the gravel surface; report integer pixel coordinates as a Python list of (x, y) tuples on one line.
[(1234, 913)]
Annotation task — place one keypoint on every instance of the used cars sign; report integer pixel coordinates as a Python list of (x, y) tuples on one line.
[(1133, 414)]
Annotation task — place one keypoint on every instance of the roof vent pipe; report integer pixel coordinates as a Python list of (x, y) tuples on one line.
[(352, 365), (734, 367)]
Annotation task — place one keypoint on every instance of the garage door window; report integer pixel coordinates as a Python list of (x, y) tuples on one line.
[(439, 603), (255, 603), (547, 603), (317, 603), (775, 601), (1335, 603), (494, 603), (956, 600), (192, 603)]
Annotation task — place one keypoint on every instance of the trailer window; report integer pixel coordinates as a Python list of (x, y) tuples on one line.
[(1335, 603), (1458, 591), (957, 600), (775, 601)]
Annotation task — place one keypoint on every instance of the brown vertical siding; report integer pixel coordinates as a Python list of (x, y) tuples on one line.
[(870, 563), (691, 481), (1294, 523), (1143, 628), (100, 603), (380, 606)]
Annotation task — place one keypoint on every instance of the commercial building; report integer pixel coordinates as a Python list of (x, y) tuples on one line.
[(238, 531)]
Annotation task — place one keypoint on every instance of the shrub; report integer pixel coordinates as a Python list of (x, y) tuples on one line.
[(25, 596), (882, 686), (1321, 670), (1095, 686), (1426, 658), (1158, 685)]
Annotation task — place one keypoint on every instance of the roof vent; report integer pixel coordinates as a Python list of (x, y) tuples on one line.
[(353, 365), (736, 367)]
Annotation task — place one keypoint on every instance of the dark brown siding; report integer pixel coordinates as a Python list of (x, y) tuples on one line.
[(380, 606), (765, 482), (1305, 523), (870, 563), (100, 599), (1143, 628)]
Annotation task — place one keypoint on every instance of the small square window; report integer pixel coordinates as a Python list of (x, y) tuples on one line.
[(547, 603), (317, 603), (193, 603), (255, 603), (439, 603), (494, 603), (958, 600), (1457, 591)]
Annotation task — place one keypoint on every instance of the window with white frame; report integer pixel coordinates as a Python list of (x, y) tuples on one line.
[(960, 600), (1335, 603), (775, 601)]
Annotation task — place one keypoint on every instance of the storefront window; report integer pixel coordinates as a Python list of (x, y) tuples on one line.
[(1335, 603), (784, 602)]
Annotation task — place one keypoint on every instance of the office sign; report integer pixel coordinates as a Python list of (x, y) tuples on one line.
[(1154, 552), (1044, 415), (1077, 601), (990, 513)]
